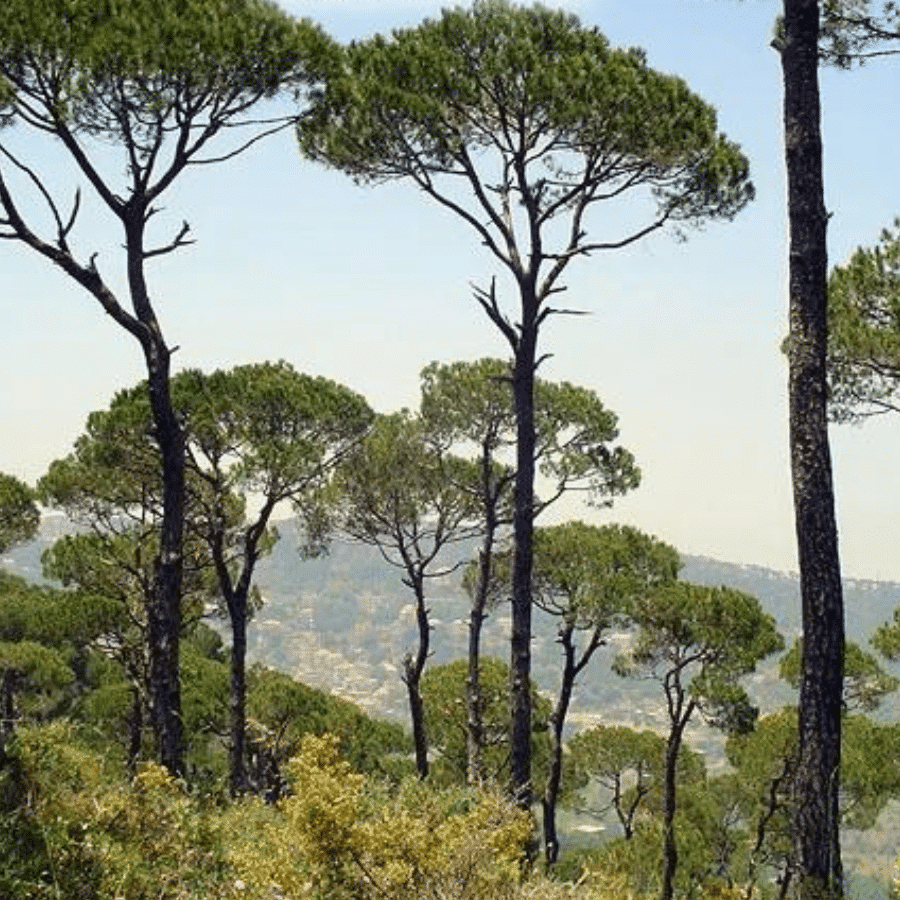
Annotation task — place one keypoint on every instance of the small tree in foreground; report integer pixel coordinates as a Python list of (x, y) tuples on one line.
[(586, 577), (160, 82), (520, 121), (628, 764), (445, 696)]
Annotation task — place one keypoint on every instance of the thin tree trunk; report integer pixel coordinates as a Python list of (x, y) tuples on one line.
[(679, 714), (670, 800), (135, 729), (236, 596), (413, 666), (554, 776), (7, 705), (474, 719), (817, 844)]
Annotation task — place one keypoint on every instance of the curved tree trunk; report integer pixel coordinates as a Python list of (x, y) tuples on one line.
[(474, 721), (413, 666), (670, 846), (557, 720), (571, 670), (817, 844)]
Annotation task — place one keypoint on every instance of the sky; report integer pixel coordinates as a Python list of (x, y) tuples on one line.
[(367, 285)]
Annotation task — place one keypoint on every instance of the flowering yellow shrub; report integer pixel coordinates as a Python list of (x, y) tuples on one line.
[(340, 836)]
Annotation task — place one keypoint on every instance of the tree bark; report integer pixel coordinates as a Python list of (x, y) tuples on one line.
[(7, 705), (523, 535), (237, 702), (670, 802), (164, 613), (571, 670), (491, 493), (557, 720), (413, 666), (818, 870), (135, 729), (474, 722)]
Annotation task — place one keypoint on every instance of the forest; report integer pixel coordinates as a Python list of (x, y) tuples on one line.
[(143, 756)]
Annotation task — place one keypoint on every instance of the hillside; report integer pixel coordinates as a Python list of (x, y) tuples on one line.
[(344, 621)]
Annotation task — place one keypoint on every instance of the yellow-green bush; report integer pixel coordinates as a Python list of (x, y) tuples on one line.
[(156, 841), (70, 830), (341, 836)]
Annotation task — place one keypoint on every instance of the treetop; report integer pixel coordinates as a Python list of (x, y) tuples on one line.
[(534, 86), (203, 48)]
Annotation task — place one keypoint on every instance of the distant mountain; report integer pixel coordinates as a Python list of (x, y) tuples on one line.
[(353, 603), (344, 621)]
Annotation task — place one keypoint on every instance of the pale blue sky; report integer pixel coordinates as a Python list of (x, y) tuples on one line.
[(368, 285)]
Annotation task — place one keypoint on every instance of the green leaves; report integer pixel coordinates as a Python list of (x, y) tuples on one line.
[(444, 696), (470, 404), (398, 492), (153, 53), (19, 515), (594, 573), (864, 331), (713, 635), (534, 88), (865, 682), (851, 31)]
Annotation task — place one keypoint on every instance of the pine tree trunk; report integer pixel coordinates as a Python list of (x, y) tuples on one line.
[(413, 666), (7, 705), (164, 612), (237, 701), (523, 535), (135, 729), (474, 719), (474, 722), (164, 615), (557, 720), (670, 800), (818, 871)]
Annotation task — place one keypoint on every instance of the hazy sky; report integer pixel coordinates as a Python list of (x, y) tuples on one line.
[(368, 285)]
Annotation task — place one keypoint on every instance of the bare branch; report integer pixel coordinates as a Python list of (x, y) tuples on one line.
[(177, 241), (87, 276), (62, 230), (488, 302), (249, 143)]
